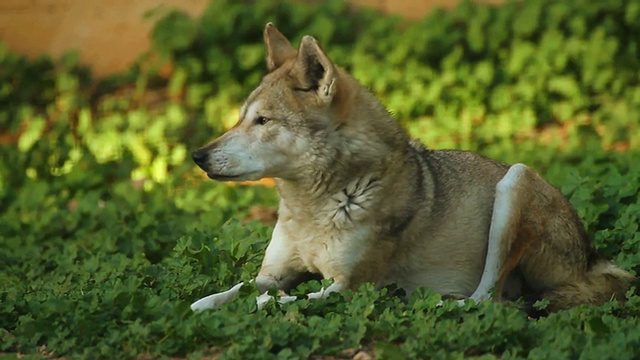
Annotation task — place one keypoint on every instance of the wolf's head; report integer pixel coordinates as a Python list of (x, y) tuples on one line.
[(285, 120)]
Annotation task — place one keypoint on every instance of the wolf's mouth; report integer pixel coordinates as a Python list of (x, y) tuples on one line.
[(222, 177)]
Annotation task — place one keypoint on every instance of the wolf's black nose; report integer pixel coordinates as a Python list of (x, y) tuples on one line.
[(199, 156)]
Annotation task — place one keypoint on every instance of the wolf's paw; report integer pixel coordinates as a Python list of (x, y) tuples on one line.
[(460, 302), (263, 299), (215, 301)]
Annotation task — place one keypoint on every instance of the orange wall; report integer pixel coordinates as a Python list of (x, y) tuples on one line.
[(110, 34)]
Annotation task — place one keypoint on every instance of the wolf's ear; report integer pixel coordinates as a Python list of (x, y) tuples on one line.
[(279, 49), (316, 71)]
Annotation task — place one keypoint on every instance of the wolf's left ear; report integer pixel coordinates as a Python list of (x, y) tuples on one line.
[(316, 71), (279, 49)]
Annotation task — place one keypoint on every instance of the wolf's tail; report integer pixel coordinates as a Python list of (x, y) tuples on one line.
[(603, 282)]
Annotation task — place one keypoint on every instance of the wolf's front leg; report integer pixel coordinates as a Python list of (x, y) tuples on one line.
[(280, 270), (281, 267)]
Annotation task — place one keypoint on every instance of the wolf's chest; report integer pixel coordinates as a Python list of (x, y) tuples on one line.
[(329, 250), (335, 229)]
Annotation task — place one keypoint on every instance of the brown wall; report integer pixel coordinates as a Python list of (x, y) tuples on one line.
[(110, 34)]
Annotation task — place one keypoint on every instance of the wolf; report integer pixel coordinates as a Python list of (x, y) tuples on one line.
[(360, 201)]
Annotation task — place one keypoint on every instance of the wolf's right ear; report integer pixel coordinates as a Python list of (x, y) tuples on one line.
[(279, 49)]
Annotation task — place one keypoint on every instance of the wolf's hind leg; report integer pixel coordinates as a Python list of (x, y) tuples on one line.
[(503, 252)]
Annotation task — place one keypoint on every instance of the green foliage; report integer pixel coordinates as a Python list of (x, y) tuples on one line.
[(109, 232), (503, 71)]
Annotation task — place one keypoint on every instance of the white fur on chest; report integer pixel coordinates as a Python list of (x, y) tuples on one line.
[(334, 235)]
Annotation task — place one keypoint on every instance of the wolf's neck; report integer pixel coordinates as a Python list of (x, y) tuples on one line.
[(365, 139)]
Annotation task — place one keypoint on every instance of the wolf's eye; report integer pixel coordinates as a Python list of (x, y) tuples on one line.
[(260, 120)]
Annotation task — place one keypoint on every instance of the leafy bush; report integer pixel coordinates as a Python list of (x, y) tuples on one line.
[(472, 76), (109, 232)]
